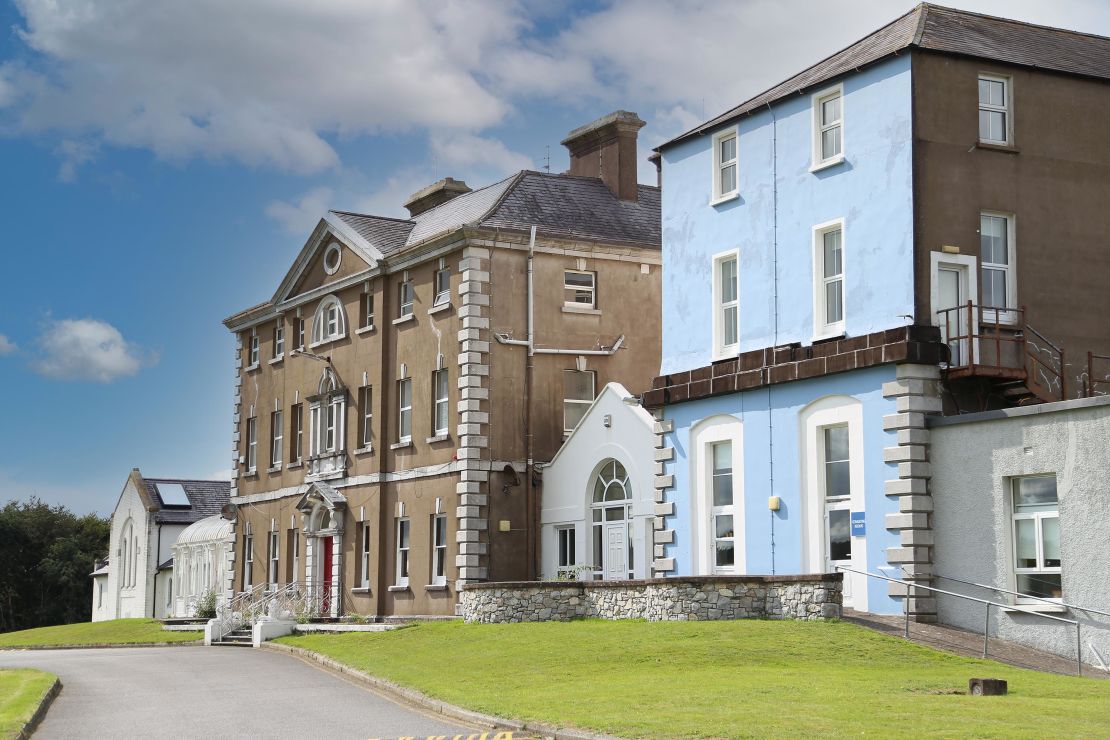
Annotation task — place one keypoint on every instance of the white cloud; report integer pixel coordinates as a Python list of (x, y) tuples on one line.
[(74, 154), (7, 346), (87, 349), (302, 216), (466, 151), (273, 82)]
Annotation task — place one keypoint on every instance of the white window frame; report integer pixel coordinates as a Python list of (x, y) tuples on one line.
[(248, 562), (722, 350), (566, 545), (279, 339), (364, 555), (404, 540), (719, 195), (300, 333), (296, 555), (367, 307), (439, 550), (252, 444), (366, 415), (1038, 517), (273, 571), (1009, 315), (442, 287), (591, 289), (296, 429), (253, 358), (406, 297), (713, 429), (819, 161), (578, 401), (277, 437), (328, 416), (404, 410), (330, 321), (1006, 110), (822, 328), (441, 402), (722, 510)]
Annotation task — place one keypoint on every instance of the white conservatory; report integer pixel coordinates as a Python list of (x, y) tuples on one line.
[(201, 563)]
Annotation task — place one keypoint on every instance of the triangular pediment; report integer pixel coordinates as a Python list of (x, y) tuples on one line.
[(333, 253)]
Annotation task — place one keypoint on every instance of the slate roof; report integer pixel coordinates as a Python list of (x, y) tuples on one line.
[(949, 31), (559, 205), (207, 498)]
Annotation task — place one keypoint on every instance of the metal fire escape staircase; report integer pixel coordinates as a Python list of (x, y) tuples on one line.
[(998, 359)]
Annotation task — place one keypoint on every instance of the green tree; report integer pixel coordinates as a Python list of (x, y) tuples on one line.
[(48, 553)]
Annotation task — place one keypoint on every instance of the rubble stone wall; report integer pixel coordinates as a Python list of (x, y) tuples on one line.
[(807, 597)]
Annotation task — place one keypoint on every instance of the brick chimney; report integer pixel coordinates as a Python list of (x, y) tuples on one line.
[(436, 193), (606, 148)]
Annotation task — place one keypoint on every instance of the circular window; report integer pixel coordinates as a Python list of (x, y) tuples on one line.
[(332, 257)]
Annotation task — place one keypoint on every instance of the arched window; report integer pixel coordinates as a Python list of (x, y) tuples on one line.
[(330, 321), (717, 510), (328, 417), (127, 556), (612, 523)]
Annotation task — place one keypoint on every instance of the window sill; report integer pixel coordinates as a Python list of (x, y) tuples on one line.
[(828, 163), (1004, 148), (728, 353), (365, 330), (436, 587), (363, 450), (399, 589), (569, 308), (438, 438), (1039, 608), (326, 342), (251, 473), (831, 334), (404, 319), (361, 590), (251, 368), (277, 359), (439, 309), (274, 468), (294, 465), (725, 198), (402, 445)]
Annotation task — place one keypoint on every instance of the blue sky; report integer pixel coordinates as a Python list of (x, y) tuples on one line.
[(160, 168)]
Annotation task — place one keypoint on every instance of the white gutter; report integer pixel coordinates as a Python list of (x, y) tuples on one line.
[(532, 350)]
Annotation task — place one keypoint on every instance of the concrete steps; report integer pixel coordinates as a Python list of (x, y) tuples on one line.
[(237, 638)]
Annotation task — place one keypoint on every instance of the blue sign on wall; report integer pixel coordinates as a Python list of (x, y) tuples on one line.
[(859, 524)]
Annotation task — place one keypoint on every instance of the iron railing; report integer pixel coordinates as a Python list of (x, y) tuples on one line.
[(911, 593), (998, 342), (1096, 386)]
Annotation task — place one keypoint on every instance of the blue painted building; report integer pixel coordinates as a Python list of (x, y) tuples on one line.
[(791, 436)]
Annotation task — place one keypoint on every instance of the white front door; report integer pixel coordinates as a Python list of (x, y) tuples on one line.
[(953, 287), (838, 542), (616, 551)]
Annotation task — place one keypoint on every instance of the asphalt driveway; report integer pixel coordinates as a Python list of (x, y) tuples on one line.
[(216, 692)]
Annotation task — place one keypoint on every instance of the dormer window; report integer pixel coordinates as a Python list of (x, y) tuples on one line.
[(330, 322)]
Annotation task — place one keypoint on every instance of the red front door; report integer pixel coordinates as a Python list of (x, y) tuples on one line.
[(325, 574)]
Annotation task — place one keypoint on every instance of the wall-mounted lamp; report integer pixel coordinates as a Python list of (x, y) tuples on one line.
[(607, 420), (774, 503)]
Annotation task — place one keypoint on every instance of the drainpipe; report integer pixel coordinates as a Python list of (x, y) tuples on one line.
[(154, 591), (529, 369)]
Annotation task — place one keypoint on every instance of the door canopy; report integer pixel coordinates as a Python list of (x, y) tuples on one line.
[(322, 509)]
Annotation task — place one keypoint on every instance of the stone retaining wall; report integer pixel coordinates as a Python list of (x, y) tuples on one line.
[(808, 597)]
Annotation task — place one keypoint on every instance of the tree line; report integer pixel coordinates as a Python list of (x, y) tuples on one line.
[(47, 553)]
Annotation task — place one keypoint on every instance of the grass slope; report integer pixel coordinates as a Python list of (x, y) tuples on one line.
[(113, 632), (719, 679), (21, 690)]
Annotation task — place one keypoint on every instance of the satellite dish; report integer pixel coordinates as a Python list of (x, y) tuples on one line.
[(229, 511)]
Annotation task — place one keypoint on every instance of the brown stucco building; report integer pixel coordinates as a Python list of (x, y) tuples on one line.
[(393, 396)]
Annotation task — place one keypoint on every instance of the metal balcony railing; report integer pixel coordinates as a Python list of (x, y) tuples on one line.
[(999, 343)]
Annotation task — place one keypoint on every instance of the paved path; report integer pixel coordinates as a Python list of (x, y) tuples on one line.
[(962, 642), (198, 692)]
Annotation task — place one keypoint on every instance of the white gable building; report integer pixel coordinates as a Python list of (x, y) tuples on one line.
[(149, 517), (598, 505)]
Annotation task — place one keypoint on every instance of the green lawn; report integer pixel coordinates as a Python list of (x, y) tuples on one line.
[(114, 632), (21, 690), (719, 679)]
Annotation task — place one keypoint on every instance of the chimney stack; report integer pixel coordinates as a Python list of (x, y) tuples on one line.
[(436, 193), (606, 148)]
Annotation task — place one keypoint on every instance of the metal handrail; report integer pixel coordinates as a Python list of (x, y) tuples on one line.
[(1091, 384), (1055, 602), (987, 603)]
